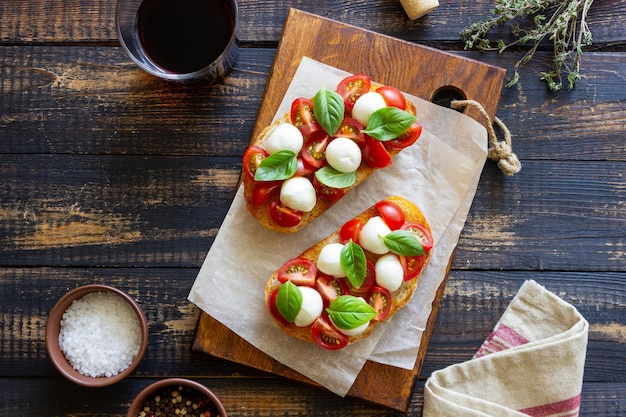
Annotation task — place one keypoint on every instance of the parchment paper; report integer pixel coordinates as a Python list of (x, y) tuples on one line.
[(439, 173)]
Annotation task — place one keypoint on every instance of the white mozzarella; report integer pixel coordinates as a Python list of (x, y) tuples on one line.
[(312, 306), (367, 104), (329, 260), (353, 332), (371, 235), (343, 154), (389, 272), (298, 193), (284, 137)]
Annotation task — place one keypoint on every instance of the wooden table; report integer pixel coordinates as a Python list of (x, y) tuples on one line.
[(111, 176)]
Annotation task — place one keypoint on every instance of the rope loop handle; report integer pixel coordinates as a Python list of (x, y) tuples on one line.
[(499, 151)]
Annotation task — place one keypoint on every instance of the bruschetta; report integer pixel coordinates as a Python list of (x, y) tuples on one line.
[(325, 146), (337, 291)]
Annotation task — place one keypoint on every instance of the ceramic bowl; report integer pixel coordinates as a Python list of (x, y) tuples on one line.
[(53, 328), (158, 387)]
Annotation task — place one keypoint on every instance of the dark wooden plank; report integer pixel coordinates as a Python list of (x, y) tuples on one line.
[(471, 306), (92, 100), (74, 21), (125, 210)]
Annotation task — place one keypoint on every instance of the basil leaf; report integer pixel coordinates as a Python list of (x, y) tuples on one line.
[(349, 312), (328, 108), (289, 301), (330, 177), (389, 123), (404, 243), (278, 166), (353, 263)]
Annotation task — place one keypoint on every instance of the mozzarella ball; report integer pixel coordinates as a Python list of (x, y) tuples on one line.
[(353, 332), (312, 306), (343, 154), (389, 272), (367, 104), (298, 193), (284, 137), (371, 235), (329, 260)]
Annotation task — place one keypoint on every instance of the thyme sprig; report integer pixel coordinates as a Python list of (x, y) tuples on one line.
[(562, 21)]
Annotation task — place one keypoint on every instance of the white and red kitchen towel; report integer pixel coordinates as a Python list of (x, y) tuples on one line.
[(531, 364)]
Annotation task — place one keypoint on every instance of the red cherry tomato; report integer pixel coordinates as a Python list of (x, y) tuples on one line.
[(412, 265), (300, 271), (326, 335), (303, 117), (391, 213), (252, 157), (264, 192), (314, 149), (353, 87), (351, 129), (408, 138), (350, 231), (374, 153), (422, 233), (326, 192), (368, 282), (330, 288), (271, 306), (393, 97), (380, 299), (283, 215), (304, 169)]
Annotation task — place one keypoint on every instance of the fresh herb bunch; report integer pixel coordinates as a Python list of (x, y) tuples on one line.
[(562, 21)]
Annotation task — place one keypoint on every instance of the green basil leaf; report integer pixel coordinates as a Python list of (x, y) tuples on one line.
[(404, 243), (330, 177), (278, 166), (328, 108), (353, 263), (289, 301), (389, 123), (349, 312)]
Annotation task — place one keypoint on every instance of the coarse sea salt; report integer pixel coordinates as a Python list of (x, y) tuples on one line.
[(100, 334)]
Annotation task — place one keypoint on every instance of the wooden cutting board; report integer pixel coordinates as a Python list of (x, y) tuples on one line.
[(424, 72)]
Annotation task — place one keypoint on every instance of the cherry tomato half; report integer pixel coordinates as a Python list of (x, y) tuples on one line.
[(350, 231), (303, 117), (271, 306), (391, 213), (326, 192), (422, 233), (283, 215), (412, 265), (368, 282), (264, 192), (374, 153), (326, 335), (351, 128), (380, 299), (393, 97), (353, 87), (300, 271), (314, 149), (408, 138), (304, 169), (330, 288), (252, 157)]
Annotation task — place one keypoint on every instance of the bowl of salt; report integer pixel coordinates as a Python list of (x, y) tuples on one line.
[(96, 335)]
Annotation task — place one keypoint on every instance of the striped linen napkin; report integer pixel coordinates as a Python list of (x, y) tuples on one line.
[(531, 364)]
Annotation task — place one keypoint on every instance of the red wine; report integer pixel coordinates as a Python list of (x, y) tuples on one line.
[(183, 36)]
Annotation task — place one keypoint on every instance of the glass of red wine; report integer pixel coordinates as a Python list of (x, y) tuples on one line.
[(180, 40)]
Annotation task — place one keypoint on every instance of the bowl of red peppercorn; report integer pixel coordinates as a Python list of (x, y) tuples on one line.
[(176, 397)]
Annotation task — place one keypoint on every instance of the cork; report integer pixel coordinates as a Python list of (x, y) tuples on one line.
[(418, 8)]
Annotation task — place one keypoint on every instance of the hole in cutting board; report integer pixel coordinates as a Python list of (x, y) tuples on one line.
[(444, 96)]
